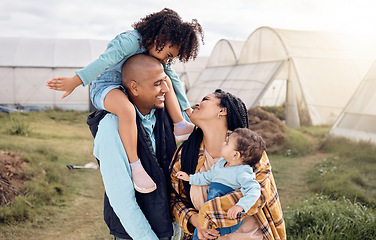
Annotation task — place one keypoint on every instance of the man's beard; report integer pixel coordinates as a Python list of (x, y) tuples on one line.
[(158, 107)]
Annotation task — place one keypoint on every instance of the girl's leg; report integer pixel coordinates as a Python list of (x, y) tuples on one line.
[(182, 128), (118, 103)]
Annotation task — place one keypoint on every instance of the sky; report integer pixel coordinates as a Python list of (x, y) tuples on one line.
[(220, 19)]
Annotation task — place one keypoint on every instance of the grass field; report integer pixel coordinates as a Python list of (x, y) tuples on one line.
[(57, 203)]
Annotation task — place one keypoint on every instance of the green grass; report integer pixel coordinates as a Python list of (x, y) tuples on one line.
[(348, 171), (57, 203), (18, 125), (343, 171), (321, 218)]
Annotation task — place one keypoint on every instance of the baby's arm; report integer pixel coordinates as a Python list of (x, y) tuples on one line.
[(200, 179), (250, 188), (67, 84), (182, 175)]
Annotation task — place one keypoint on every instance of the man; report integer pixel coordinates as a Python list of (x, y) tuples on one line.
[(129, 214)]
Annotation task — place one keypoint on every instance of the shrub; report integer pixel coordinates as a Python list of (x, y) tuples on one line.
[(18, 125), (323, 218), (18, 210), (278, 111), (296, 145)]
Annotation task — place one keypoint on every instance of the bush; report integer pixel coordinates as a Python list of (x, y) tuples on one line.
[(296, 145), (323, 218), (18, 125), (269, 127), (278, 111), (18, 210)]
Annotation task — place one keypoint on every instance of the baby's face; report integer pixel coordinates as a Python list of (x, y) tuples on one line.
[(167, 53), (228, 150)]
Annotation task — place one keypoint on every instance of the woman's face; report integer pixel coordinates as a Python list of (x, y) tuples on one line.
[(207, 109)]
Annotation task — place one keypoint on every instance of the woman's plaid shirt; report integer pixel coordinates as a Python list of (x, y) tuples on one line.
[(267, 209)]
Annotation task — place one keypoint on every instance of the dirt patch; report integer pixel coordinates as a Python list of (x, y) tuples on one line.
[(12, 176), (268, 126)]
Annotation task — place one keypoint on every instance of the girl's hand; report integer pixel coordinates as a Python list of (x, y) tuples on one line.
[(67, 84), (188, 111), (233, 211), (183, 176)]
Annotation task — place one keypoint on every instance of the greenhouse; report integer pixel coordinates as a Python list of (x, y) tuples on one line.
[(26, 64), (357, 120), (315, 72)]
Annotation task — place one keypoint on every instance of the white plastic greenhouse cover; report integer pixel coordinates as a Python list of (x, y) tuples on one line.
[(322, 71), (188, 72), (225, 53), (221, 60), (26, 64), (358, 119)]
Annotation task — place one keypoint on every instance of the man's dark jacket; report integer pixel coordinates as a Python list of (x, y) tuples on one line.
[(154, 205)]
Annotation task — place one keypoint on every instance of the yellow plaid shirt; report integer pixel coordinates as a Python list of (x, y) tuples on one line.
[(267, 209)]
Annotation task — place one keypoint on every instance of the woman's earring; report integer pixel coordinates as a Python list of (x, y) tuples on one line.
[(219, 116)]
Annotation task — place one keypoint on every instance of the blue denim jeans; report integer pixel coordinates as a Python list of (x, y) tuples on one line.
[(102, 85), (218, 190)]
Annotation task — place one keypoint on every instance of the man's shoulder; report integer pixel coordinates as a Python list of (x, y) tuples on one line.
[(108, 122)]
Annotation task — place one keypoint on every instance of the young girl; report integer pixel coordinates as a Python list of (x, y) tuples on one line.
[(233, 170), (162, 35)]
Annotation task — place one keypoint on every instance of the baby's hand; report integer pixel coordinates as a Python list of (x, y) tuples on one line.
[(233, 211), (182, 175), (67, 84)]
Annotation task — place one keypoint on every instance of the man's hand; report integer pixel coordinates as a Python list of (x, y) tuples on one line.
[(183, 176), (67, 84), (203, 233), (233, 211)]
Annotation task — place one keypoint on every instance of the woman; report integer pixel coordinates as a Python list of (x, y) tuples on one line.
[(216, 116)]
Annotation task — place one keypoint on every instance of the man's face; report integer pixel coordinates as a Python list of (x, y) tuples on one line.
[(152, 91)]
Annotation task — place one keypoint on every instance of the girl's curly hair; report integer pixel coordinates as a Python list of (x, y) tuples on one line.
[(167, 26)]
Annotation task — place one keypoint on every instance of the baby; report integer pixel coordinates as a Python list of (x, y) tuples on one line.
[(233, 170)]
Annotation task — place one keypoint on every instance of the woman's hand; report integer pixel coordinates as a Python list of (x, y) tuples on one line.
[(233, 211), (203, 233)]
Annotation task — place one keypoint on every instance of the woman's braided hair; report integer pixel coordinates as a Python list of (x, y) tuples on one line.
[(237, 117), (167, 26)]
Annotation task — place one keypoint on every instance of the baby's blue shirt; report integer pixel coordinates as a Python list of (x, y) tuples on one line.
[(236, 177)]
